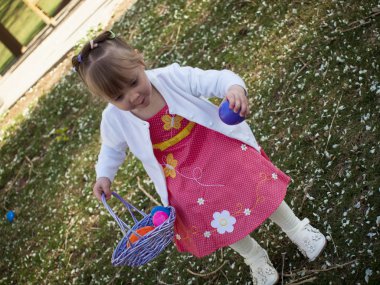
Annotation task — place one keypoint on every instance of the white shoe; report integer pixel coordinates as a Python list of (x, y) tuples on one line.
[(309, 240), (262, 270)]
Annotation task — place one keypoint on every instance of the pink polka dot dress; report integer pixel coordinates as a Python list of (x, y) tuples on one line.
[(221, 188)]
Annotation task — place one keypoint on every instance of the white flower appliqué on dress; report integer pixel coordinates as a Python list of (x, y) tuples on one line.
[(274, 176), (223, 222), (247, 212)]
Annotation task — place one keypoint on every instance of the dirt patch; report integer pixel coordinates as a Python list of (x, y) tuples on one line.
[(54, 75)]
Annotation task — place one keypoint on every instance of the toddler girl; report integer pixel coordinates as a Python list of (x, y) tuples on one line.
[(216, 176)]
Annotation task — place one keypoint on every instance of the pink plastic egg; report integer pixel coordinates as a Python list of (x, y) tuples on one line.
[(159, 217)]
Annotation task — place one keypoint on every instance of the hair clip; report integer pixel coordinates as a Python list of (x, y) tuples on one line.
[(79, 57), (93, 45), (112, 35)]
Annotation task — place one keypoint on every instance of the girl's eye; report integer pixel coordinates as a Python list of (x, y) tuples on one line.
[(134, 83)]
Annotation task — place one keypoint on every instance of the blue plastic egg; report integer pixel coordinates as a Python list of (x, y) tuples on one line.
[(10, 216), (228, 115), (160, 208)]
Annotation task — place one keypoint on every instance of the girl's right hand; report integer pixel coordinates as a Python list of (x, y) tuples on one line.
[(102, 185)]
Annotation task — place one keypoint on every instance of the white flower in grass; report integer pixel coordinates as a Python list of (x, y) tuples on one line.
[(247, 212), (274, 176), (201, 201), (178, 237), (207, 234), (223, 222), (244, 147)]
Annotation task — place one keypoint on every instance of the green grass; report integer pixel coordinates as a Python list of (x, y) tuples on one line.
[(23, 23), (49, 7), (312, 69)]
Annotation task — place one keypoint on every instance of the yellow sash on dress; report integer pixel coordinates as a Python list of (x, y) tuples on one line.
[(177, 138)]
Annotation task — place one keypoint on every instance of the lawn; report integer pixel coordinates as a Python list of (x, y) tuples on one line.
[(312, 71), (23, 23)]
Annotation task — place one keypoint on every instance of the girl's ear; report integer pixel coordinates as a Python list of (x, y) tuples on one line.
[(138, 52)]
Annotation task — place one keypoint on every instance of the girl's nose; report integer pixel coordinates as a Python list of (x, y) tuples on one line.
[(135, 98)]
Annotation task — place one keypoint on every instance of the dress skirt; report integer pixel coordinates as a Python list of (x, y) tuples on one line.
[(221, 188)]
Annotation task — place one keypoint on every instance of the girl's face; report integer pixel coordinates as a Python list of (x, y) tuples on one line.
[(137, 94)]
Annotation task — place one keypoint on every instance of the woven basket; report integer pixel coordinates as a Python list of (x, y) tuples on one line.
[(148, 246)]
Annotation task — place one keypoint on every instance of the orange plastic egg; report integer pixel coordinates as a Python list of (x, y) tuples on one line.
[(141, 231)]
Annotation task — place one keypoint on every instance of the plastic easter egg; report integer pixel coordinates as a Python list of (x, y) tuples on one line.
[(10, 216), (141, 231), (160, 208), (228, 116), (159, 218)]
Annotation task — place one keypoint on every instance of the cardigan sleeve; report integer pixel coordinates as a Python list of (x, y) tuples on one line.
[(206, 83), (113, 150), (109, 161)]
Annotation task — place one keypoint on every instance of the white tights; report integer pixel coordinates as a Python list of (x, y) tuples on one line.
[(283, 217)]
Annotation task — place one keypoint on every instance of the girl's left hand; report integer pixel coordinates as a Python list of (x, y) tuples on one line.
[(238, 100)]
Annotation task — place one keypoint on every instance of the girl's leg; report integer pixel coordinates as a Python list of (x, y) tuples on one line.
[(285, 218), (257, 258), (309, 240)]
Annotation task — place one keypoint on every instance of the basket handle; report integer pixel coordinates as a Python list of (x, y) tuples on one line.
[(123, 226)]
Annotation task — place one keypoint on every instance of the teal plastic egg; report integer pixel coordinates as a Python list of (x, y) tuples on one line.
[(160, 208), (10, 216)]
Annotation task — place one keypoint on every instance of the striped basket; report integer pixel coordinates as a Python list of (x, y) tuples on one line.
[(148, 246)]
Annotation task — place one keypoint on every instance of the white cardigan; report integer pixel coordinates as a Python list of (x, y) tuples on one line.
[(183, 89)]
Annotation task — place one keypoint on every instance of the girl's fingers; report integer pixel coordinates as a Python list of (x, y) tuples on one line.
[(234, 102), (246, 107), (108, 193), (243, 110), (237, 105), (99, 190), (97, 193), (231, 100)]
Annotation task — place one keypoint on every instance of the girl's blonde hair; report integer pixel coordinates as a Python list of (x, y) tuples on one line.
[(104, 65)]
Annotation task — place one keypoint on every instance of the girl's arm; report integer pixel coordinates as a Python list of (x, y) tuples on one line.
[(213, 83), (109, 161), (206, 83), (112, 154)]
